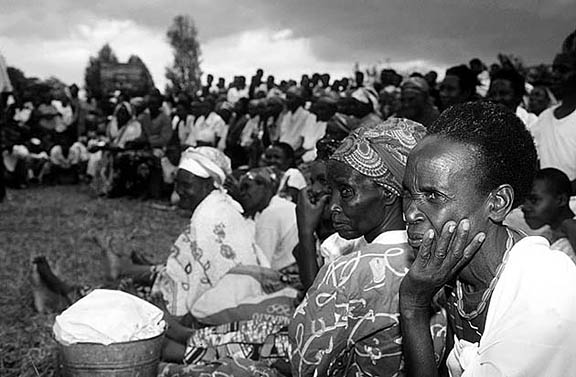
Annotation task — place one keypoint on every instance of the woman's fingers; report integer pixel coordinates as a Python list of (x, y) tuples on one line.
[(470, 250), (443, 243), (460, 240), (426, 247)]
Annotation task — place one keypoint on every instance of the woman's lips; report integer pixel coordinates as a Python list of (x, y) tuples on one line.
[(340, 226), (415, 239)]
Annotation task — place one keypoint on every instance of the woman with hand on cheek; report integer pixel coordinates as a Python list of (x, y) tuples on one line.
[(511, 301), (348, 322)]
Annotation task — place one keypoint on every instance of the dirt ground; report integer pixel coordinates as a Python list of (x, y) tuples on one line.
[(57, 222)]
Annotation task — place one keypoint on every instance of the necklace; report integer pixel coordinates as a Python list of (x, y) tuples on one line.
[(486, 295)]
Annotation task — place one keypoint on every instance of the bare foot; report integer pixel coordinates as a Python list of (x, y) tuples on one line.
[(113, 260), (46, 300)]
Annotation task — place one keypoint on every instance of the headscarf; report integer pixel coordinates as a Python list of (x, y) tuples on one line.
[(206, 162), (125, 105), (342, 123), (380, 152), (326, 146), (268, 176), (366, 95), (417, 84), (225, 105), (330, 98), (298, 91)]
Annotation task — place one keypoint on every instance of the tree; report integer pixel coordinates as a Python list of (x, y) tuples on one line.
[(184, 74), (92, 72)]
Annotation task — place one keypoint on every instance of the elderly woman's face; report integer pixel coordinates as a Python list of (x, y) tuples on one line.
[(440, 184), (191, 189), (254, 195), (319, 185), (357, 206)]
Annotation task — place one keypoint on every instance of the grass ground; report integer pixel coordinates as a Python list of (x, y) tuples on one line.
[(54, 221)]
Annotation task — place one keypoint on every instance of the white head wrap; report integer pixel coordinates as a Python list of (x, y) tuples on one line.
[(206, 162), (366, 95)]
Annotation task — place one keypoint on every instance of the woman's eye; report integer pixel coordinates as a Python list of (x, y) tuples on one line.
[(430, 196), (346, 192)]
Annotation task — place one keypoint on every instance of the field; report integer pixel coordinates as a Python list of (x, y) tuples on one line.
[(57, 222)]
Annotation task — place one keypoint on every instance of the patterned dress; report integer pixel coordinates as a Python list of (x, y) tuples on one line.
[(217, 239), (348, 324), (348, 321)]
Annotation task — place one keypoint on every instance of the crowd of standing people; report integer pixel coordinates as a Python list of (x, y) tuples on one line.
[(341, 227)]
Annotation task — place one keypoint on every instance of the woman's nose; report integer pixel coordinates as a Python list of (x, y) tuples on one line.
[(411, 212)]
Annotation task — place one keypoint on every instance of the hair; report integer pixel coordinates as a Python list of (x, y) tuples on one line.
[(266, 175), (516, 79), (287, 149), (569, 44), (468, 79), (325, 147), (504, 149), (475, 61), (557, 182)]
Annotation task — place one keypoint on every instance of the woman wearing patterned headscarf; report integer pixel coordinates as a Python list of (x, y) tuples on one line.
[(348, 322)]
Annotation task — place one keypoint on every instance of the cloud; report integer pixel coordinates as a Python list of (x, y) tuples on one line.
[(283, 37), (68, 56), (276, 52)]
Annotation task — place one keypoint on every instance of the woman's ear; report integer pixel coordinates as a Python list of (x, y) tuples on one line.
[(562, 200), (500, 202)]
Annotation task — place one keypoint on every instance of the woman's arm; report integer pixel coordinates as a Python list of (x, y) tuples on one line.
[(271, 280), (308, 216), (416, 339), (438, 262)]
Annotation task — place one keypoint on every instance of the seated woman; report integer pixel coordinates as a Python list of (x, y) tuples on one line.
[(511, 301), (348, 321), (214, 278), (66, 162), (115, 167), (314, 220), (548, 204), (274, 217), (281, 156), (216, 273)]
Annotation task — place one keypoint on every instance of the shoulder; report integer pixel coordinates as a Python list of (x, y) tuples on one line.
[(371, 264), (280, 213), (533, 263), (220, 206)]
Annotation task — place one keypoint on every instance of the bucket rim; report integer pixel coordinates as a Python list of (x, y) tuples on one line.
[(161, 335)]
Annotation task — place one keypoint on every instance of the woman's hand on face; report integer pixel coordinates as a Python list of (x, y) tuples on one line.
[(309, 213), (438, 262)]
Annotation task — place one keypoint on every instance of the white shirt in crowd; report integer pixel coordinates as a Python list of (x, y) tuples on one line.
[(530, 324), (311, 136), (529, 119), (555, 141), (234, 94), (183, 126), (251, 128), (207, 129), (294, 125), (277, 232)]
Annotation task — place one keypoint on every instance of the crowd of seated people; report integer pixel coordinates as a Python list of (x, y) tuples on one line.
[(59, 138), (354, 228)]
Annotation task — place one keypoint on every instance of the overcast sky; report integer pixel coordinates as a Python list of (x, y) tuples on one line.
[(284, 37)]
